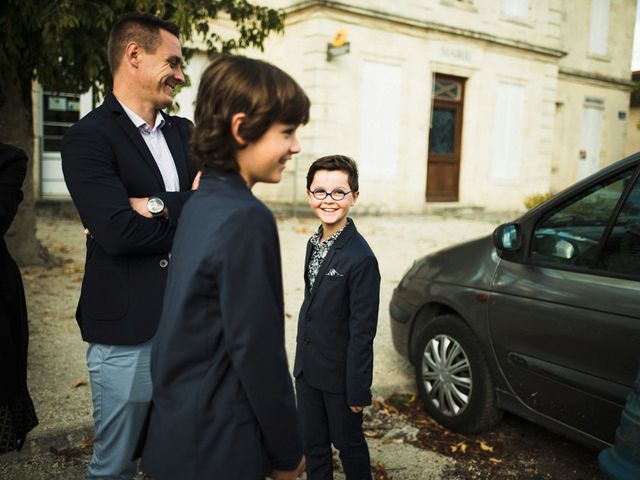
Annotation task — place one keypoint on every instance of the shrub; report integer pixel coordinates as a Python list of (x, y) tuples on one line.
[(531, 201)]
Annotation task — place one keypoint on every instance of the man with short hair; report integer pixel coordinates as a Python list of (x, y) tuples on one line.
[(128, 169)]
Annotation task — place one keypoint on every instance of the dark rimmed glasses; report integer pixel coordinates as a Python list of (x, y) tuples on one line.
[(337, 194)]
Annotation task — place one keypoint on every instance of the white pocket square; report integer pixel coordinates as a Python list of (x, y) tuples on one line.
[(334, 273)]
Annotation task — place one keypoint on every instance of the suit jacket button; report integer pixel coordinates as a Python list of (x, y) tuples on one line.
[(307, 341), (164, 262)]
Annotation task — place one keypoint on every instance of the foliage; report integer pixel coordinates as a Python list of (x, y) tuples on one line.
[(62, 43), (531, 201)]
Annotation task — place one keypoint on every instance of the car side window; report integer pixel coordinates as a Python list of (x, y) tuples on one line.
[(570, 235), (621, 253)]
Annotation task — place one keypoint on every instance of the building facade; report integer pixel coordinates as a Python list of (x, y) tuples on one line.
[(472, 103), (633, 125)]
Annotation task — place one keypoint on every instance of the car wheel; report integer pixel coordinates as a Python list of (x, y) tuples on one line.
[(453, 378)]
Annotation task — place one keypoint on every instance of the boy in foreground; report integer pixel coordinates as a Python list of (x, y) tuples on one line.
[(223, 401)]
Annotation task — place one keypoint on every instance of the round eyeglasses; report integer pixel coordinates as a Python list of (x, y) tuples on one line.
[(337, 194)]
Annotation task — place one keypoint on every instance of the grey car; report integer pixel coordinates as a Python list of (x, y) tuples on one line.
[(542, 319)]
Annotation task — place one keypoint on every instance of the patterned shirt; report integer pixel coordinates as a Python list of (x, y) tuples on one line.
[(319, 251)]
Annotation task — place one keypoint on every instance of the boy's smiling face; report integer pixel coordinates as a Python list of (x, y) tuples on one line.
[(265, 159), (332, 213)]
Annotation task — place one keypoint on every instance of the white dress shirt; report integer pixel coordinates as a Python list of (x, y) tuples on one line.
[(157, 144)]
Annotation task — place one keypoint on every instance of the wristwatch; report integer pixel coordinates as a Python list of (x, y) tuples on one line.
[(155, 205)]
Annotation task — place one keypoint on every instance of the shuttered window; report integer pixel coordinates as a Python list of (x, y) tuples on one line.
[(516, 8), (590, 138), (379, 119), (599, 28), (507, 133)]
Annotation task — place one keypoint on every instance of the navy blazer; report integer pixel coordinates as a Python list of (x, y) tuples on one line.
[(338, 320), (223, 402), (105, 161)]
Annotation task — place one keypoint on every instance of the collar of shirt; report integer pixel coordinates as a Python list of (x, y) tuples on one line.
[(315, 239), (140, 123), (319, 252)]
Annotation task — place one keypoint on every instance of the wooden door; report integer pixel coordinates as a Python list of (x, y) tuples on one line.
[(445, 135)]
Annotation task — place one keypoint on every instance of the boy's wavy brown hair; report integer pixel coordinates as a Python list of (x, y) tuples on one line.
[(236, 84), (335, 162)]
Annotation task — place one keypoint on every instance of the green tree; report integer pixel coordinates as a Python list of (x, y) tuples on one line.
[(62, 44)]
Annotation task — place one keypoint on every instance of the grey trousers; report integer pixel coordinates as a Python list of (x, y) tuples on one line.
[(121, 389)]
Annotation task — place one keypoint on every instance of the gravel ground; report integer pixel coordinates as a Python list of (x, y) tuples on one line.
[(59, 447)]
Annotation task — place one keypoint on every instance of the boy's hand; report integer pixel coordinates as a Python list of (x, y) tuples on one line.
[(196, 181), (289, 474), (356, 409)]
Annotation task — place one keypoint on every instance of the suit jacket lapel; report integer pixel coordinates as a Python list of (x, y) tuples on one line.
[(342, 240), (175, 143), (134, 135), (307, 257)]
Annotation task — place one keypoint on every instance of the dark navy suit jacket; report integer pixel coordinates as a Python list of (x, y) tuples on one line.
[(338, 320), (223, 403), (105, 161)]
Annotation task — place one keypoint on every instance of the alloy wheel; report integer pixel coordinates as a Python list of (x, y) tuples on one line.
[(446, 374)]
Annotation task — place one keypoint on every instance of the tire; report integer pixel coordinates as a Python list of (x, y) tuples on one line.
[(463, 398)]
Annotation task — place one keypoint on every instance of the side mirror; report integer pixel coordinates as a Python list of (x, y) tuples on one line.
[(507, 237)]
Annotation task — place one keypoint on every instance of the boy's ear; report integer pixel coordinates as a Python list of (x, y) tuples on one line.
[(355, 196), (236, 121)]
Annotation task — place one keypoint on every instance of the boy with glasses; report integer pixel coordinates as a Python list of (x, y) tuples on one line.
[(337, 325)]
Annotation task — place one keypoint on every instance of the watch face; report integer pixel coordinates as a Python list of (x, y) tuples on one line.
[(155, 205)]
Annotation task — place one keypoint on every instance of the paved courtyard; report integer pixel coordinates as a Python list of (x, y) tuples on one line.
[(58, 376)]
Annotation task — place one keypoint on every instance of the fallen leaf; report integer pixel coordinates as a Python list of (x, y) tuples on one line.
[(60, 247), (87, 442), (495, 460), (73, 269), (79, 383), (459, 446), (484, 447)]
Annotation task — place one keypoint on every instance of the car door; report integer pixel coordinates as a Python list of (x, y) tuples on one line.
[(565, 321)]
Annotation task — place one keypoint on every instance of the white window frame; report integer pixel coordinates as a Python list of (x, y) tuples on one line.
[(52, 182)]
